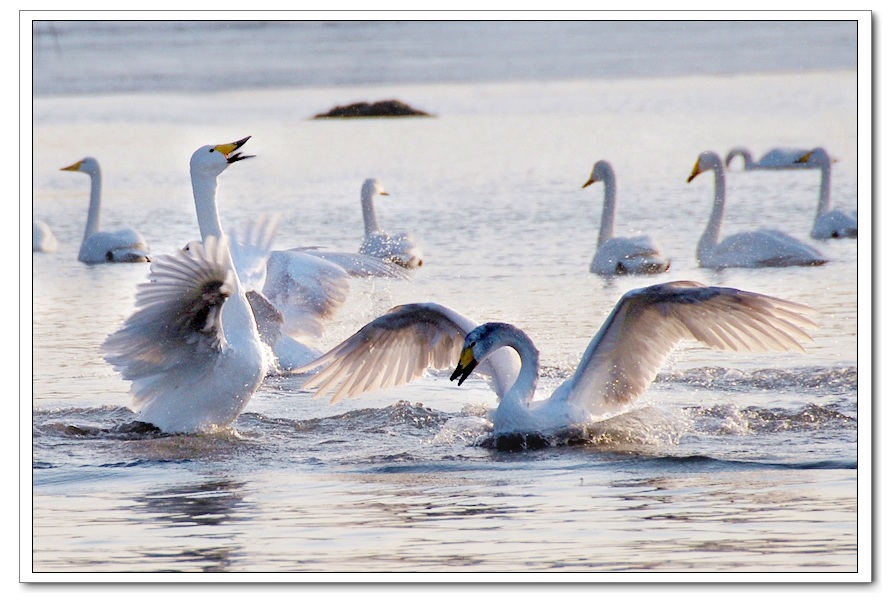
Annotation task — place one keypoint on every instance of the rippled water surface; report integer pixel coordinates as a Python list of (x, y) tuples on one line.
[(729, 463)]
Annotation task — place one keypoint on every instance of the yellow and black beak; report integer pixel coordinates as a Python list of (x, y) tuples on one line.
[(466, 364), (804, 158), (696, 171), (589, 182), (74, 167), (228, 150)]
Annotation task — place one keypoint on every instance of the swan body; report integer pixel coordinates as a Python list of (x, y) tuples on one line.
[(295, 291), (829, 223), (44, 240), (621, 361), (756, 249), (775, 159), (621, 255), (192, 349), (100, 246), (401, 248)]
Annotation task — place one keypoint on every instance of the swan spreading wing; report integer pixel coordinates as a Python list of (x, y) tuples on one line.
[(646, 324), (619, 364), (176, 331), (399, 347)]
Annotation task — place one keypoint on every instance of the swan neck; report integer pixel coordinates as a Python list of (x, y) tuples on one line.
[(825, 203), (368, 213), (712, 232), (608, 217), (204, 189), (523, 389), (93, 216)]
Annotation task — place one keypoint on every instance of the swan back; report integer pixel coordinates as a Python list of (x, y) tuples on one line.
[(44, 240)]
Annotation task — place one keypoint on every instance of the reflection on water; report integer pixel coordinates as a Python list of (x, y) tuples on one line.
[(202, 506)]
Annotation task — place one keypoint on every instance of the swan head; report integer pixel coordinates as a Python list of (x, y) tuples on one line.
[(372, 186), (602, 171), (817, 157), (707, 160), (478, 344), (87, 165), (211, 160)]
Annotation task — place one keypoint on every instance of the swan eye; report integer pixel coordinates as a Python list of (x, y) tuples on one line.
[(211, 150)]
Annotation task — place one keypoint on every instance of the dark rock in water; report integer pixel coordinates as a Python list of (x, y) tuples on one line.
[(386, 108)]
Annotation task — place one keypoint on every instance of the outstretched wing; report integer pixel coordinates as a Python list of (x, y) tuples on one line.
[(306, 289), (646, 324), (400, 346), (250, 246), (176, 330), (358, 264)]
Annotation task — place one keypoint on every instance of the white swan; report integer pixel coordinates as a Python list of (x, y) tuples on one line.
[(775, 159), (99, 247), (192, 350), (756, 249), (829, 223), (620, 255), (44, 240), (400, 248), (295, 291), (621, 361)]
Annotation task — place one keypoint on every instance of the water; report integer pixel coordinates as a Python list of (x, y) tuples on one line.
[(730, 463)]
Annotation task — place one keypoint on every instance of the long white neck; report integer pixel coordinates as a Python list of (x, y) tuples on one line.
[(608, 217), (204, 189), (712, 232), (93, 217), (237, 314), (825, 177), (368, 214), (521, 392)]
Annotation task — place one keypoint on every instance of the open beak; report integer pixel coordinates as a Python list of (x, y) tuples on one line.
[(466, 364), (696, 171), (228, 150)]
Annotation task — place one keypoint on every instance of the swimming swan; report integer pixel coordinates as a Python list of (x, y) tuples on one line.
[(99, 247), (401, 248), (295, 291), (620, 255), (756, 249), (775, 159), (829, 223), (621, 361), (192, 350), (44, 240)]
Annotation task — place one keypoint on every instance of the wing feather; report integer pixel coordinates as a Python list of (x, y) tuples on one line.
[(398, 347), (177, 325), (646, 324)]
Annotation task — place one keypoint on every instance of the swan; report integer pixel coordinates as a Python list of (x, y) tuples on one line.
[(829, 223), (620, 362), (756, 249), (400, 248), (192, 349), (295, 291), (775, 159), (620, 255), (99, 247), (44, 240)]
